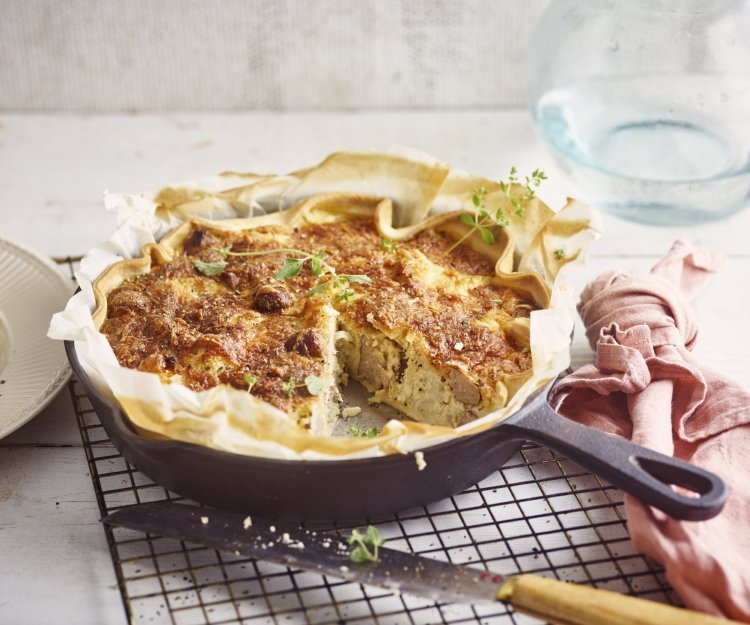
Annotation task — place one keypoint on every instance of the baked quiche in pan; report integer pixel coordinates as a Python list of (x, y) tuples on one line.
[(429, 318), (231, 312)]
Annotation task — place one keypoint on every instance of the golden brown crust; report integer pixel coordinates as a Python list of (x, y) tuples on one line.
[(160, 312), (416, 185), (159, 321)]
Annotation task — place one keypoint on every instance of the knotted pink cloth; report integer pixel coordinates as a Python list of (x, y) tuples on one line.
[(647, 386)]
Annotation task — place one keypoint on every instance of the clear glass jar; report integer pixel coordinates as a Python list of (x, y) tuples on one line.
[(646, 104)]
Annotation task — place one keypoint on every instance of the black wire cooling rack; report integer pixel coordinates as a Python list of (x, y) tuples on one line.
[(539, 513)]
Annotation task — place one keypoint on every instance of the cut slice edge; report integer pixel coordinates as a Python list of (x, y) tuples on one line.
[(399, 375)]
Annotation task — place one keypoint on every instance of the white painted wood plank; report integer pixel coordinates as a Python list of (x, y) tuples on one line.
[(55, 560), (265, 54), (55, 167)]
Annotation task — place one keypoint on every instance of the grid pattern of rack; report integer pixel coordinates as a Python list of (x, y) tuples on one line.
[(540, 513)]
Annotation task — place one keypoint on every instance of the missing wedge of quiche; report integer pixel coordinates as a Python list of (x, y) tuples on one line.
[(439, 332), (232, 312)]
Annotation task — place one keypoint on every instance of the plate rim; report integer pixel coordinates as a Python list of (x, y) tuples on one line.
[(63, 372)]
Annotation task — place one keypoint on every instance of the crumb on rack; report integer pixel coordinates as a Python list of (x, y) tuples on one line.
[(204, 520), (248, 522), (350, 411), (419, 457)]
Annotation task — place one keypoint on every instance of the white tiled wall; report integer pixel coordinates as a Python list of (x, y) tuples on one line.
[(146, 55)]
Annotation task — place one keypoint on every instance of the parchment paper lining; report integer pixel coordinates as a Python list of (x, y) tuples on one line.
[(232, 420)]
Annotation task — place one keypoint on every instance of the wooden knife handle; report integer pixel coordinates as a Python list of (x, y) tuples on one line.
[(563, 603)]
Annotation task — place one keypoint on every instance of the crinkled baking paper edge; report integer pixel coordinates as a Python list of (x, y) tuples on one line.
[(216, 413)]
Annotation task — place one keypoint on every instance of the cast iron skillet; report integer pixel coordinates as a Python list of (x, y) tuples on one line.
[(369, 488)]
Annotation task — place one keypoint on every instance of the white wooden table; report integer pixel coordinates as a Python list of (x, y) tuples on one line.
[(54, 563)]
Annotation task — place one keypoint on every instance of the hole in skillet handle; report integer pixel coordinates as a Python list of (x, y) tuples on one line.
[(646, 474), (698, 483)]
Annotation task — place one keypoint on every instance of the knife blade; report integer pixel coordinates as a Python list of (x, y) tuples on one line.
[(312, 550), (327, 553)]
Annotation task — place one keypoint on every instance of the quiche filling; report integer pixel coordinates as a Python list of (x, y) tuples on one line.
[(433, 332)]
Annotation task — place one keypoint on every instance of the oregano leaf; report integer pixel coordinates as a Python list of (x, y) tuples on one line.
[(291, 268), (487, 236), (210, 269), (314, 384)]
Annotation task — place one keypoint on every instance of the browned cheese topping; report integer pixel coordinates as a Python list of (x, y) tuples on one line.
[(204, 331)]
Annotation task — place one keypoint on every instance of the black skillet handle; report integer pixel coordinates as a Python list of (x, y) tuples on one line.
[(637, 470)]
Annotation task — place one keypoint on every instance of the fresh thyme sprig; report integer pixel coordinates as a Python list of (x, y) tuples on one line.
[(251, 381), (360, 433), (366, 545), (483, 219), (292, 267), (388, 246), (530, 184), (314, 385), (339, 284)]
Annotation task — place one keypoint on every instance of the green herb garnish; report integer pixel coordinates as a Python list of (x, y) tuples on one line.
[(289, 386), (388, 246), (559, 253), (365, 545), (292, 267), (530, 184), (317, 290), (481, 221), (360, 433), (484, 219), (356, 278), (210, 269), (339, 284), (251, 380), (344, 295), (313, 384)]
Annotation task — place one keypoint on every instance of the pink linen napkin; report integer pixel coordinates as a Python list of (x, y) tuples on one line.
[(647, 386)]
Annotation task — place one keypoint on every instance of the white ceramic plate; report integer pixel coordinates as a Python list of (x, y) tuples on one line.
[(32, 367)]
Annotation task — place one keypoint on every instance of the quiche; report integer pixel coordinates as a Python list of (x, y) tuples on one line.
[(291, 305)]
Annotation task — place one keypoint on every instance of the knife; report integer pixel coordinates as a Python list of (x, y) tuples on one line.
[(557, 602)]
